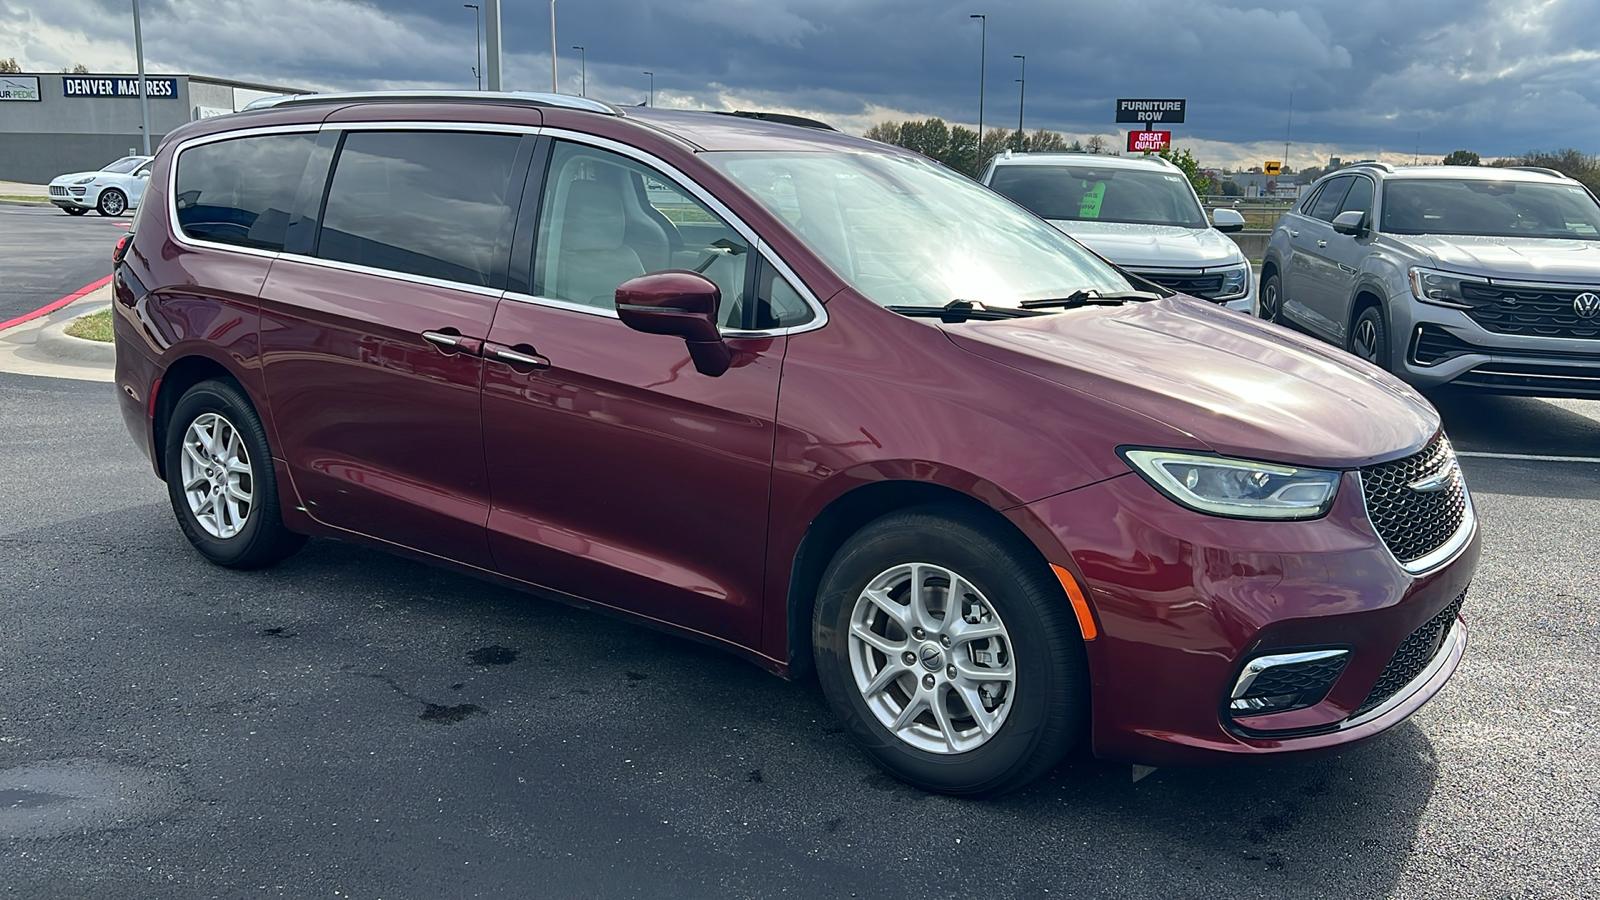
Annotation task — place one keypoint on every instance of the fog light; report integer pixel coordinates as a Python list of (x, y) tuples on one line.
[(1286, 681)]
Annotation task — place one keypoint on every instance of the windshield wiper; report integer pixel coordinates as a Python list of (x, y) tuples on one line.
[(1087, 297), (960, 311)]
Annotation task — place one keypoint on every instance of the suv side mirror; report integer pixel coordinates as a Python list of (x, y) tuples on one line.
[(1352, 222), (682, 303), (1227, 220)]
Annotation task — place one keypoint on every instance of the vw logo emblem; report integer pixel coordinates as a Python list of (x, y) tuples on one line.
[(1586, 305)]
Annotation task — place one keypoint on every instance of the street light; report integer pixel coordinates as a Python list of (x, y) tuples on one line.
[(583, 62), (144, 87), (1022, 96), (983, 49), (477, 46), (652, 100)]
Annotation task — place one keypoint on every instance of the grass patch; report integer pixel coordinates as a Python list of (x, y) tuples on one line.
[(44, 200), (93, 327)]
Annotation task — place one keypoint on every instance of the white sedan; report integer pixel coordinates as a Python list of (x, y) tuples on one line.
[(113, 190)]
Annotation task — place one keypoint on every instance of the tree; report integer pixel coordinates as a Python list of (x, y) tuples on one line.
[(1311, 173), (9, 65), (1097, 144), (1462, 158), (959, 147), (1570, 162), (1229, 189), (1184, 159)]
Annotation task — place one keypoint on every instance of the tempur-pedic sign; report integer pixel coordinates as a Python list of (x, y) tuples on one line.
[(93, 86), (19, 87)]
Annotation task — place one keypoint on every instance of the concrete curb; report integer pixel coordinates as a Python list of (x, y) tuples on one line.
[(55, 342)]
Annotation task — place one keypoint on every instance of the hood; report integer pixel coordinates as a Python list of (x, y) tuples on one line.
[(68, 179), (1530, 259), (1146, 246), (1240, 386)]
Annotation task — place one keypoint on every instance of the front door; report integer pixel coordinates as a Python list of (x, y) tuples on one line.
[(618, 472)]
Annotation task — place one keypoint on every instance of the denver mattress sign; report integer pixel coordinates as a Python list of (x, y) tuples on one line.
[(160, 88)]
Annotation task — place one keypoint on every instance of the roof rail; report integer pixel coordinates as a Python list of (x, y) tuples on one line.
[(1540, 169), (780, 118), (1371, 162), (526, 98)]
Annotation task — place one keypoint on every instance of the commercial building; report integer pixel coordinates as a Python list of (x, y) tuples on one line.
[(56, 123)]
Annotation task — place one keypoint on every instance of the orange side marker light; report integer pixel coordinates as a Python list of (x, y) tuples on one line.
[(1080, 603)]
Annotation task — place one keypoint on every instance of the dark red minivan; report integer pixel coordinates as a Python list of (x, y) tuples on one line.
[(805, 396)]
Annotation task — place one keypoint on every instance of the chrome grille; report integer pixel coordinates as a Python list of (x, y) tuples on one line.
[(1413, 656), (1531, 311), (1412, 522), (1195, 285), (57, 190)]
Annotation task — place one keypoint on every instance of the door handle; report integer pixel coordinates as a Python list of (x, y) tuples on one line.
[(1293, 233), (1322, 243), (520, 355), (444, 339)]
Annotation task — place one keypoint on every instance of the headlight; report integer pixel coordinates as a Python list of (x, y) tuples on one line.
[(1240, 488), (1235, 283), (1439, 288), (84, 180)]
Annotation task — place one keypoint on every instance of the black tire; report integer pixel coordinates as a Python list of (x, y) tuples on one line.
[(1369, 337), (1271, 301), (256, 537), (112, 202), (1048, 698), (73, 210)]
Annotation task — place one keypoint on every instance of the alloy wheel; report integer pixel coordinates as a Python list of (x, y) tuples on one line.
[(931, 658), (218, 481), (1365, 341)]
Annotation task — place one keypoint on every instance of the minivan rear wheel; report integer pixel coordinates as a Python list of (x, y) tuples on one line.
[(221, 482), (949, 651)]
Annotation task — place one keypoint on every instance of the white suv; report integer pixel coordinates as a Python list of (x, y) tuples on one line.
[(1138, 212)]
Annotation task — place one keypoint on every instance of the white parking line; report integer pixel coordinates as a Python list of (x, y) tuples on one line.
[(1533, 457)]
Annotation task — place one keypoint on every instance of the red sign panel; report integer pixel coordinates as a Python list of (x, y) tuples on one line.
[(1152, 141)]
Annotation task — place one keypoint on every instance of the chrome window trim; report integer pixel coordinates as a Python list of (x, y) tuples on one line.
[(1449, 648), (558, 303), (390, 273)]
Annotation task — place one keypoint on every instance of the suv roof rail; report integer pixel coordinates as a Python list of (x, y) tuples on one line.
[(1540, 169), (1372, 163), (780, 118), (524, 98)]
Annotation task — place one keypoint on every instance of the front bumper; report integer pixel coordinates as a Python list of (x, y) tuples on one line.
[(1431, 346), (1183, 601), (1184, 281)]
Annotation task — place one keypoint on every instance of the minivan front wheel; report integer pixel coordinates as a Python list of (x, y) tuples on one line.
[(950, 653), (1369, 338), (220, 479)]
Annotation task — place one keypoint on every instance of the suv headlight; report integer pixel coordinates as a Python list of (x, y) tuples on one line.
[(1438, 288), (84, 180), (1235, 283), (1239, 488)]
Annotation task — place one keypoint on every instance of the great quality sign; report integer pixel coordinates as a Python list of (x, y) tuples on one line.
[(92, 86), (1149, 141), (19, 87)]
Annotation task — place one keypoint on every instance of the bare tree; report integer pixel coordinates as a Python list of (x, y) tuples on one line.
[(9, 65)]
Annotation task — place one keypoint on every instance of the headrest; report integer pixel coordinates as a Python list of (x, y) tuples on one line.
[(594, 219)]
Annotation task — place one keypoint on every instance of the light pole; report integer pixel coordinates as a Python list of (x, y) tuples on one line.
[(554, 87), (491, 43), (477, 45), (583, 63), (1022, 96), (983, 50), (652, 100), (144, 87)]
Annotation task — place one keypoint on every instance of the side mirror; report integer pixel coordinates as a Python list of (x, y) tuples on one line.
[(1351, 222), (1227, 220), (681, 303)]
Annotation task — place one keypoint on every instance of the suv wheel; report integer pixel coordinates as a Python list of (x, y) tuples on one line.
[(1369, 338), (221, 482), (1272, 298), (112, 202), (950, 654)]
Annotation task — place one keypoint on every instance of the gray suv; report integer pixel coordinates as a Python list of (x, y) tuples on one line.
[(1479, 277)]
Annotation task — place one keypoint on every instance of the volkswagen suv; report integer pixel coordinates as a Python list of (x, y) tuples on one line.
[(1486, 278), (799, 395)]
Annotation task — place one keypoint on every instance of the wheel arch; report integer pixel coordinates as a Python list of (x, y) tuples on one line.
[(844, 516), (183, 374), (1366, 297)]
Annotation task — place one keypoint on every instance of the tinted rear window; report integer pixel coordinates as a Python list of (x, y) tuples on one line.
[(240, 191), (430, 203)]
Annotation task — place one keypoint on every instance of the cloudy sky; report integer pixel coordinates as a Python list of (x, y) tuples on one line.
[(1385, 78)]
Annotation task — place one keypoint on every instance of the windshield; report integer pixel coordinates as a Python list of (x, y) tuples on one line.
[(1471, 206), (906, 232), (1089, 194), (124, 165)]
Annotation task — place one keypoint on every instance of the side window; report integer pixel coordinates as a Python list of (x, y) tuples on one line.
[(430, 203), (778, 304), (241, 191), (1327, 203), (1360, 196), (607, 219)]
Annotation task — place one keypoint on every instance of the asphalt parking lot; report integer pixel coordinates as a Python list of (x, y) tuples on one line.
[(354, 724)]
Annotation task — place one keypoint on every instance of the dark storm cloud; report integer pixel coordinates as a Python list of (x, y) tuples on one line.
[(1366, 75)]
